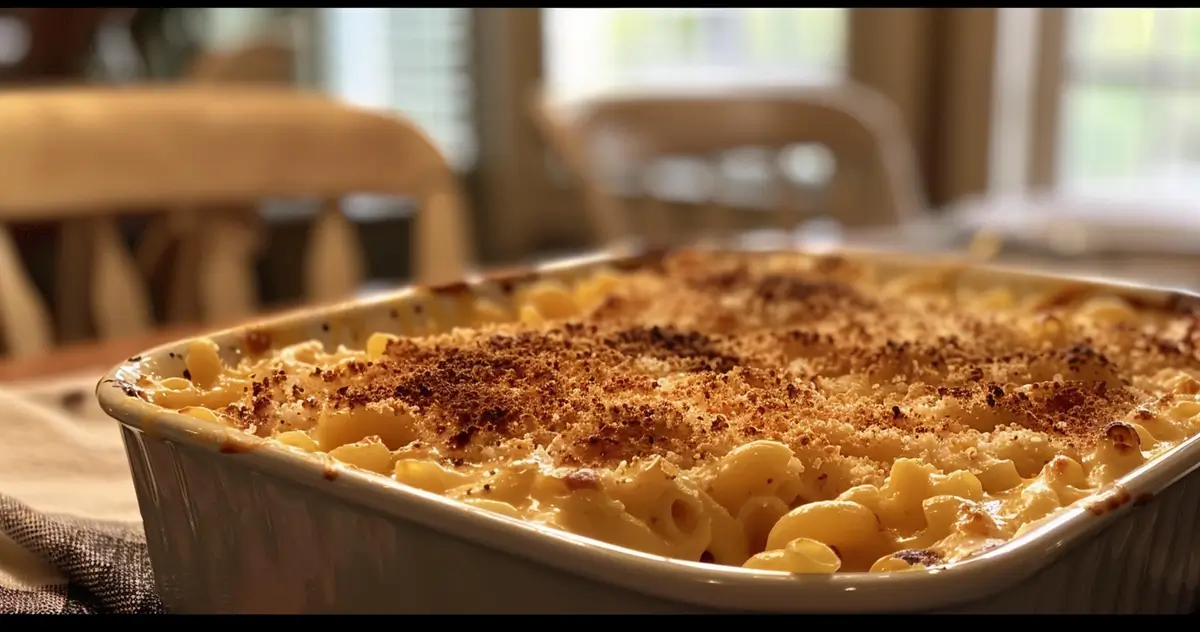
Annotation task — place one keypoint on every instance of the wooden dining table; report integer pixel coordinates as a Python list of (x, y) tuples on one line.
[(96, 357), (82, 357), (99, 356)]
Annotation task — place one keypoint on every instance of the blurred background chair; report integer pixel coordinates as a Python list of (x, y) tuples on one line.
[(197, 147), (164, 256), (265, 62), (837, 151)]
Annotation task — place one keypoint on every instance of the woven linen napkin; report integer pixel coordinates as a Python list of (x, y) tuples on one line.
[(71, 538)]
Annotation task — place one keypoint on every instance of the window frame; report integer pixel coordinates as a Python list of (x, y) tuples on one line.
[(1058, 69), (1048, 89)]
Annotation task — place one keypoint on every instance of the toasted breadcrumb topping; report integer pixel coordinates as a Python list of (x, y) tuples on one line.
[(709, 351)]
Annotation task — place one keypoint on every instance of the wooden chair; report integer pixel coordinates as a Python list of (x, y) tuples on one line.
[(620, 139), (88, 154), (257, 63), (164, 255)]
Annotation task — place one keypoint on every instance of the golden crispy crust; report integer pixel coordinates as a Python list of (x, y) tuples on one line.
[(710, 351)]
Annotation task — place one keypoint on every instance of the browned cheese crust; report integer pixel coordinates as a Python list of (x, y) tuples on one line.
[(710, 351)]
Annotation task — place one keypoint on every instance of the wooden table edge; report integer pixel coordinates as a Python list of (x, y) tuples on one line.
[(101, 355)]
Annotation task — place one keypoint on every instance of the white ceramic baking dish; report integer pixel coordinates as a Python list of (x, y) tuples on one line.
[(235, 524)]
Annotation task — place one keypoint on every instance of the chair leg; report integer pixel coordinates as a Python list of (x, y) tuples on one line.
[(25, 325)]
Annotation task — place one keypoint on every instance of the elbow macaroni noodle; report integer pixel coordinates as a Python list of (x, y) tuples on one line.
[(782, 413)]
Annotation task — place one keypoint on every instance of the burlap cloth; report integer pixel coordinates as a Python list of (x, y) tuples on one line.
[(71, 538)]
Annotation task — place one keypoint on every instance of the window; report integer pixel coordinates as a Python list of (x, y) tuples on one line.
[(413, 61), (1130, 112), (14, 41), (232, 27), (596, 50)]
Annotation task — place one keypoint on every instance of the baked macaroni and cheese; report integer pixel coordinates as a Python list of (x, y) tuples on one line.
[(781, 412)]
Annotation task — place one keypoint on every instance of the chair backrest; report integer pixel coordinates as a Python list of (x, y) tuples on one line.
[(92, 153), (166, 254), (612, 147), (260, 62)]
